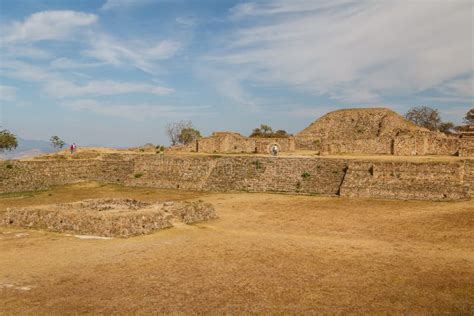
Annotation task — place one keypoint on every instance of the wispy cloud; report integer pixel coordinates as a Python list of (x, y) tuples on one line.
[(121, 4), (48, 25), (138, 112), (64, 88), (55, 85), (140, 54), (7, 93), (352, 51)]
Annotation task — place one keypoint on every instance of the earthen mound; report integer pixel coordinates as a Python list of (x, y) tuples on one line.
[(359, 124)]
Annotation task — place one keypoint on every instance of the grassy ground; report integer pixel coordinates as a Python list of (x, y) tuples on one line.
[(267, 253)]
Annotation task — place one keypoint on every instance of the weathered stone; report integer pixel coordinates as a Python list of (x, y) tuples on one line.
[(430, 180), (108, 217), (373, 131)]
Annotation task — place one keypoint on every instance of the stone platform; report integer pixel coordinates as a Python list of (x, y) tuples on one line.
[(108, 217)]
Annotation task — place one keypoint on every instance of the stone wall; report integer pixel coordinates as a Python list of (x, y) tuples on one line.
[(228, 142), (35, 175), (406, 180), (327, 176), (252, 174), (426, 144), (377, 146)]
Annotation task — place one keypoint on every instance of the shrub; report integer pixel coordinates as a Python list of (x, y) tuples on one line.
[(306, 175), (138, 175), (258, 164)]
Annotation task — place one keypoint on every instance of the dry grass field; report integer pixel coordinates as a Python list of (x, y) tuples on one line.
[(266, 254)]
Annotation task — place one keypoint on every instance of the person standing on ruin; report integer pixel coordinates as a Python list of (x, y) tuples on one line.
[(71, 148), (275, 150)]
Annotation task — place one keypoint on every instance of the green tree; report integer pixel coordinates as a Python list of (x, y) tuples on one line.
[(188, 135), (281, 133), (8, 141), (256, 132), (57, 142), (266, 129)]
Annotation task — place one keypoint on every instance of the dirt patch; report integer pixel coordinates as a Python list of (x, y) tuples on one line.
[(266, 254), (108, 217)]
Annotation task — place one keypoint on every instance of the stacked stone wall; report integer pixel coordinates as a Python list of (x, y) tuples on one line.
[(406, 180), (378, 146), (33, 175), (327, 176)]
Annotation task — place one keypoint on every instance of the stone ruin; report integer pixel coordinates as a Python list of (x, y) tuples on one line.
[(369, 131), (374, 131), (467, 145), (230, 142), (108, 217)]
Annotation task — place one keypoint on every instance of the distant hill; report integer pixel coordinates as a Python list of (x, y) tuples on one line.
[(28, 148)]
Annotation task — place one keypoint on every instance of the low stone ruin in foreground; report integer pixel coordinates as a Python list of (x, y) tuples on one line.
[(108, 217)]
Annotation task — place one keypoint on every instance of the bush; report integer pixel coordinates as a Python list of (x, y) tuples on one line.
[(306, 175), (138, 175)]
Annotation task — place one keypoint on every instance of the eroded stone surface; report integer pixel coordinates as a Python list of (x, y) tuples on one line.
[(108, 217)]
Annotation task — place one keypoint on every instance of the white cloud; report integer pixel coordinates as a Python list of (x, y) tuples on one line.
[(186, 20), (67, 63), (460, 87), (138, 112), (7, 93), (353, 51), (162, 50), (64, 88), (48, 25), (55, 85), (15, 51), (120, 4), (138, 53)]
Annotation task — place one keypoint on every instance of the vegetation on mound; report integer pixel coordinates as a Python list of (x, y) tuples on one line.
[(266, 131)]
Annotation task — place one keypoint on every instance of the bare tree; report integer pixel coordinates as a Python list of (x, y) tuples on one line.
[(182, 132), (424, 116), (469, 118)]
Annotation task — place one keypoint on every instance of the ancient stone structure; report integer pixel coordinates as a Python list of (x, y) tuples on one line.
[(467, 142), (108, 217), (373, 131), (229, 142), (426, 180)]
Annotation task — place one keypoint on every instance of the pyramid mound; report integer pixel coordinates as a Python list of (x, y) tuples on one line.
[(360, 123), (372, 131)]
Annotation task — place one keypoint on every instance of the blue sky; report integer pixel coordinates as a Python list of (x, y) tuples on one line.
[(114, 72)]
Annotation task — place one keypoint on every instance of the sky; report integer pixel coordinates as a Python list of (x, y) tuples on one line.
[(115, 72)]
